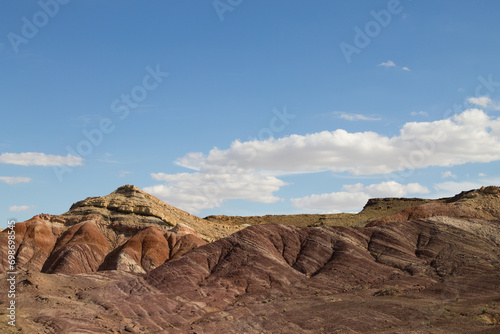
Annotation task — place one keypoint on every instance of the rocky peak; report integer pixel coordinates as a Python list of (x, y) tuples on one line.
[(384, 204), (490, 191), (130, 206), (127, 229), (129, 199), (128, 189)]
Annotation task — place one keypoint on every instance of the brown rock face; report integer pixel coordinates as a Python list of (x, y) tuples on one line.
[(482, 203), (128, 208), (35, 240), (430, 275), (144, 251), (150, 248), (277, 256), (181, 243), (131, 200), (81, 249), (126, 230), (439, 273)]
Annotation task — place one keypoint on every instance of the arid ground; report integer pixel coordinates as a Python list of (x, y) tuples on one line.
[(129, 263)]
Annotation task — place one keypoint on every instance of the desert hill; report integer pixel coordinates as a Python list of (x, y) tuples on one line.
[(480, 203), (130, 207), (399, 266), (128, 230)]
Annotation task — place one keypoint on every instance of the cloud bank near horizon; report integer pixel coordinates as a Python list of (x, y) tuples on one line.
[(250, 170), (40, 159)]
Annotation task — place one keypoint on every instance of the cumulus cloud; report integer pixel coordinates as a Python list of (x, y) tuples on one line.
[(471, 136), (448, 174), (354, 117), (40, 159), (388, 63), (482, 101), (21, 208), (208, 188), (353, 197), (250, 170), (14, 179)]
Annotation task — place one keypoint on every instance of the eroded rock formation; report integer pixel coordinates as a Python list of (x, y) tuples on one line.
[(127, 230), (430, 267)]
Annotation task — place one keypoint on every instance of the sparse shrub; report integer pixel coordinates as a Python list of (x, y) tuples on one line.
[(388, 291), (426, 323)]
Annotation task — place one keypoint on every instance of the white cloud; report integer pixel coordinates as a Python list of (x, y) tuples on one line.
[(419, 113), (14, 179), (354, 117), (354, 196), (388, 63), (40, 159), (468, 137), (194, 192), (482, 101), (250, 170), (448, 174), (482, 175), (332, 203), (21, 208)]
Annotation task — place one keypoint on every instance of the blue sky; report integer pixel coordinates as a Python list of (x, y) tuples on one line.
[(246, 107)]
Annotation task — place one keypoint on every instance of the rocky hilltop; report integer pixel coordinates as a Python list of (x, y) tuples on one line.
[(480, 203), (399, 266), (131, 200), (127, 230), (130, 207)]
